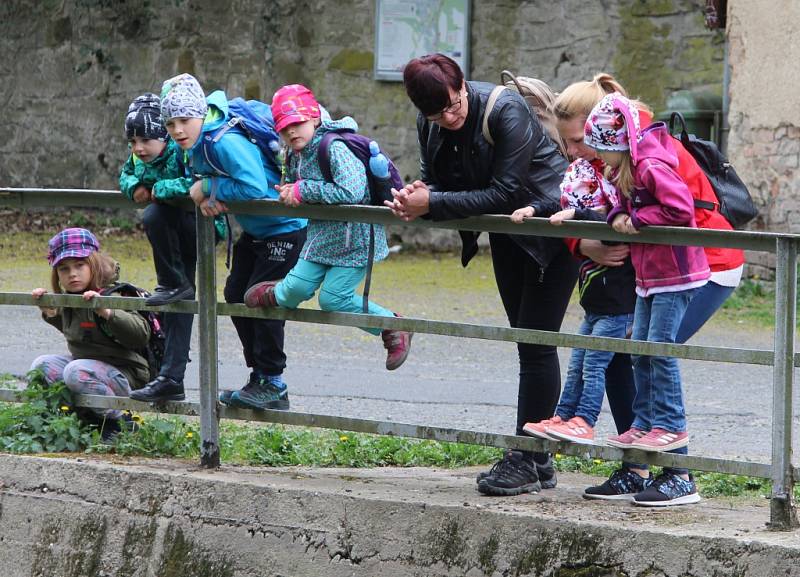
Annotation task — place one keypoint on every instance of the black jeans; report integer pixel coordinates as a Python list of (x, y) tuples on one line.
[(254, 261), (534, 298), (173, 236)]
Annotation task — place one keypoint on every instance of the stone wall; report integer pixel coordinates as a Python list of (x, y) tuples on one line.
[(764, 141), (70, 68)]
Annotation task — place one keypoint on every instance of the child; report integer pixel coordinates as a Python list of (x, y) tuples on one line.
[(268, 246), (607, 297), (335, 256), (643, 164), (153, 175), (97, 364)]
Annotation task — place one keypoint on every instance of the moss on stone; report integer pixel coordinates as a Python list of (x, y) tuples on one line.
[(137, 547), (446, 543), (349, 60), (486, 554), (182, 557), (79, 557)]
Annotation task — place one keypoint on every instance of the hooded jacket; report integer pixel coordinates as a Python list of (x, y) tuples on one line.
[(524, 168), (251, 176), (661, 198), (329, 242)]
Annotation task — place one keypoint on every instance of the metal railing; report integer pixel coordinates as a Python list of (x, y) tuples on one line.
[(783, 358)]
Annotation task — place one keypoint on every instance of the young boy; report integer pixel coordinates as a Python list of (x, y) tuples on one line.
[(153, 175), (268, 247)]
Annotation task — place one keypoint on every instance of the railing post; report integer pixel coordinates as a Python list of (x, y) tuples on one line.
[(207, 341), (782, 511)]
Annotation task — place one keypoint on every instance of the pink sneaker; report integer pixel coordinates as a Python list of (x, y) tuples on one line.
[(261, 295), (625, 440), (575, 430), (661, 440), (539, 429), (397, 345)]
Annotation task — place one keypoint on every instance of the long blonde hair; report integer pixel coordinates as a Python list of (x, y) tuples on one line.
[(105, 271), (622, 176)]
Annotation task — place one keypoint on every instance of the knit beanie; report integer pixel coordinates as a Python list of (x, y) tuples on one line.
[(183, 97), (613, 125), (144, 118)]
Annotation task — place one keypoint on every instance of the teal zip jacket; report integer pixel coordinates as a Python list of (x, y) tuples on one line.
[(330, 242), (165, 176), (251, 176)]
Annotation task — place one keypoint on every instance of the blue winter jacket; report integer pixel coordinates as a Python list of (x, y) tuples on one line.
[(251, 176)]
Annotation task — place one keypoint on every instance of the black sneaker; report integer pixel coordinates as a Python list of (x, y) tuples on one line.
[(622, 485), (513, 475), (164, 295), (546, 472), (263, 393), (668, 489), (160, 389), (225, 396)]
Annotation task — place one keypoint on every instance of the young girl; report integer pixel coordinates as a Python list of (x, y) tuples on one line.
[(642, 165), (97, 364), (607, 297), (335, 256)]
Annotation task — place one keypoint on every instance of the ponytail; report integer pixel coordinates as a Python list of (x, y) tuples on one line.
[(579, 98)]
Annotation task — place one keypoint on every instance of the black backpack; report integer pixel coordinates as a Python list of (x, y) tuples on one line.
[(154, 351), (733, 199)]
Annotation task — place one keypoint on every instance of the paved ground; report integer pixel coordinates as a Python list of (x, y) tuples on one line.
[(461, 383)]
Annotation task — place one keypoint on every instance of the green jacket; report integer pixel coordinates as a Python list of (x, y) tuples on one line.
[(85, 340), (165, 176)]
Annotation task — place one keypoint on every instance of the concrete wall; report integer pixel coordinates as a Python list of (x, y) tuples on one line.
[(71, 67), (764, 142)]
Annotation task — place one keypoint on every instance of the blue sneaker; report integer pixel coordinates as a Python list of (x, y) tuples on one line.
[(668, 489), (263, 392), (622, 485)]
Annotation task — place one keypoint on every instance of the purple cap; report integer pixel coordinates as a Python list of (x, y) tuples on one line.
[(71, 243)]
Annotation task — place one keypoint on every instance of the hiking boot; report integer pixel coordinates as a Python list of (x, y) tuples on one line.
[(225, 396), (622, 485), (164, 295), (625, 440), (575, 430), (514, 475), (160, 389), (261, 295), (397, 345), (262, 392), (539, 429), (546, 472), (668, 489), (661, 440)]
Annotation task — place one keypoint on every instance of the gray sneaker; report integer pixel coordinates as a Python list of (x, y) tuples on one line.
[(262, 393)]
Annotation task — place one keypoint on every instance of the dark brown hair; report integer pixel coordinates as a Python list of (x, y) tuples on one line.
[(428, 81)]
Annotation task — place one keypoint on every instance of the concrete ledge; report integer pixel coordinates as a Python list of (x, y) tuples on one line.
[(134, 518)]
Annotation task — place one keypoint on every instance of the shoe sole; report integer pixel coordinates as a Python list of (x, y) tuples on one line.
[(186, 295), (619, 445), (405, 356), (685, 500), (488, 489), (272, 405), (538, 434), (661, 448), (623, 497), (163, 399), (565, 437)]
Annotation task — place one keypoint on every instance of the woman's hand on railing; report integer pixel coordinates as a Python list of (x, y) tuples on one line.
[(603, 254), (49, 312), (519, 215), (410, 201)]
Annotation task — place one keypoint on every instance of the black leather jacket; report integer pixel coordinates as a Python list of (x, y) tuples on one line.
[(523, 168)]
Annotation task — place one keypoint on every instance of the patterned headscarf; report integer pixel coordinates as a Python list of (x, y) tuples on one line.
[(584, 186), (71, 243), (293, 104), (144, 118), (613, 124), (183, 97)]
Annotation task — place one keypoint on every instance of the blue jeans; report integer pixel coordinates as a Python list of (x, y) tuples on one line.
[(705, 302), (586, 374), (337, 293), (659, 398)]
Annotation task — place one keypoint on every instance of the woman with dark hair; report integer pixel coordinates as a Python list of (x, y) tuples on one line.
[(463, 175)]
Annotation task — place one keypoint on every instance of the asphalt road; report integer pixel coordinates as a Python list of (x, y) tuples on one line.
[(450, 382)]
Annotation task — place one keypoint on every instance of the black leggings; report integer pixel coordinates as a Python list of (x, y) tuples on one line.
[(534, 298)]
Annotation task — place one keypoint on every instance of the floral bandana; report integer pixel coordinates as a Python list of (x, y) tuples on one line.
[(584, 186), (613, 125)]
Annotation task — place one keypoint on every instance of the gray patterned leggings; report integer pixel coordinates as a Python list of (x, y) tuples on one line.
[(85, 377)]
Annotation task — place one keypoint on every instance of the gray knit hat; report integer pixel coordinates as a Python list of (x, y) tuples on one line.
[(144, 118), (182, 97)]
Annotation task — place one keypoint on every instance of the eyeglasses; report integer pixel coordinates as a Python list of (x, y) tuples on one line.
[(449, 109)]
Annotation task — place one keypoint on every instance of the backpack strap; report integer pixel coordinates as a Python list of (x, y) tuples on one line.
[(324, 154), (489, 107)]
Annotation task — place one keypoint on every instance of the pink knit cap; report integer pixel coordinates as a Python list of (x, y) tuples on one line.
[(293, 104), (613, 124)]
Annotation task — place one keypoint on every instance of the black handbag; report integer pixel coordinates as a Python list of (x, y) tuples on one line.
[(733, 198)]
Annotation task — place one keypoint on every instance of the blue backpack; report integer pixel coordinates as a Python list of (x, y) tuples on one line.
[(252, 118)]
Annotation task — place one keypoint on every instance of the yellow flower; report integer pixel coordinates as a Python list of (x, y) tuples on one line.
[(343, 438), (64, 408), (597, 461), (138, 419), (558, 456), (189, 435)]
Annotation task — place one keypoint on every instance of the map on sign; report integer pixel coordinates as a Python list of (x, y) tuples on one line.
[(406, 29)]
